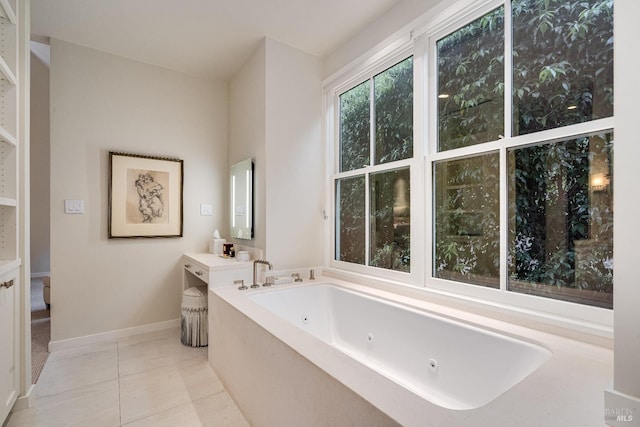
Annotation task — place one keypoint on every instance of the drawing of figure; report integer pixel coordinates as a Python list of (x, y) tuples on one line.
[(150, 192)]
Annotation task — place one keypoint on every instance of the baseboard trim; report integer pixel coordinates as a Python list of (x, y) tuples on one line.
[(112, 335), (24, 401)]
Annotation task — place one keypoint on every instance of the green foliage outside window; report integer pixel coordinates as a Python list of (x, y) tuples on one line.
[(471, 83), (350, 219), (467, 231), (354, 127), (562, 63), (390, 220), (560, 224), (394, 113)]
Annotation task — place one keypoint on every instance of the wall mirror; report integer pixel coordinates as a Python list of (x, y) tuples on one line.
[(242, 200)]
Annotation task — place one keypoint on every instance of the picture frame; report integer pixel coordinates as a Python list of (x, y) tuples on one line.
[(145, 196)]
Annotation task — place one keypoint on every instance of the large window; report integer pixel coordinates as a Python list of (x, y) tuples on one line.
[(555, 187), (372, 187), (515, 110)]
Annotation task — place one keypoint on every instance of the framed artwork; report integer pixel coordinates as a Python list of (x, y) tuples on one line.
[(145, 196)]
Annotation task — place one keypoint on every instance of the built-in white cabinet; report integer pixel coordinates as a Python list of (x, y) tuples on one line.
[(10, 212), (9, 342)]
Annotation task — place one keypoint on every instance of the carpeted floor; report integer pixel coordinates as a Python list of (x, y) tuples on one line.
[(40, 330)]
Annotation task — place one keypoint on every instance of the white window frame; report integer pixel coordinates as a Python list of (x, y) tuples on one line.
[(419, 39), (367, 72), (501, 295)]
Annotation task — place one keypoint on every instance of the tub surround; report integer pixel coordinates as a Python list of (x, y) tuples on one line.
[(425, 353), (267, 364), (272, 384)]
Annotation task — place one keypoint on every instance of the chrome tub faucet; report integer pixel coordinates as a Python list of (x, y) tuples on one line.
[(255, 264)]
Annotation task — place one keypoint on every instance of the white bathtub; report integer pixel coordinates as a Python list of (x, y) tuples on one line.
[(449, 363)]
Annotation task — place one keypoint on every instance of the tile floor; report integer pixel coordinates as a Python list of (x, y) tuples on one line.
[(145, 380)]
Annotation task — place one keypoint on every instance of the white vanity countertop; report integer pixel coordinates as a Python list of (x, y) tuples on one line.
[(216, 262)]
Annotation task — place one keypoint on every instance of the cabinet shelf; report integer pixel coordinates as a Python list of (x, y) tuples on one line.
[(7, 11), (6, 201), (7, 73), (6, 136), (7, 265)]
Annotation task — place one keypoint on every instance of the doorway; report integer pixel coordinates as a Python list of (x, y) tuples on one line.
[(40, 246)]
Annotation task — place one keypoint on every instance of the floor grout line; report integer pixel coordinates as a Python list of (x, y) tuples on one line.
[(187, 363)]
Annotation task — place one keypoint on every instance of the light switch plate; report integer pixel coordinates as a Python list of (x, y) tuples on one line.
[(206, 209), (74, 206)]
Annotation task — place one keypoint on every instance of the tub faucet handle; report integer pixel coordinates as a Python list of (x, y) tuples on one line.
[(312, 274), (268, 281)]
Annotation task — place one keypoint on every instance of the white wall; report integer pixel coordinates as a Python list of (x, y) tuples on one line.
[(39, 166), (383, 29), (247, 136), (275, 118), (294, 157), (99, 103)]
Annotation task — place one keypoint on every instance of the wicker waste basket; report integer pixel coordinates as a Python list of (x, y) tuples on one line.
[(194, 331)]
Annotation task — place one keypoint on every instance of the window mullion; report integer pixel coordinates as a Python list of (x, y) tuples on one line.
[(367, 213), (504, 219), (431, 150), (508, 132), (372, 123), (508, 67), (367, 185)]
